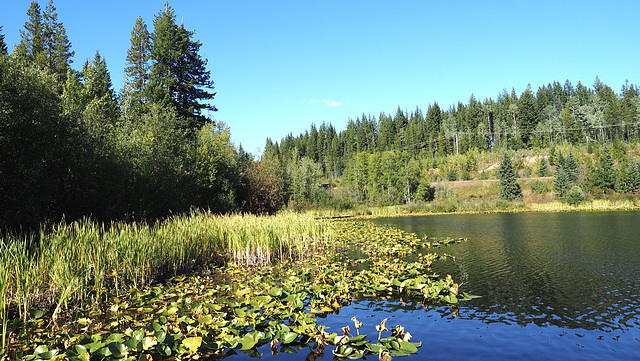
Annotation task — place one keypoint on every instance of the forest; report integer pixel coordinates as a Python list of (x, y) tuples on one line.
[(71, 146)]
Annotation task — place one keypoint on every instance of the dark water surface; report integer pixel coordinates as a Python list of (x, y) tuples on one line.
[(553, 285)]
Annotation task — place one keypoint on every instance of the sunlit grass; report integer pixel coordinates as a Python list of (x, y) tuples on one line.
[(74, 261)]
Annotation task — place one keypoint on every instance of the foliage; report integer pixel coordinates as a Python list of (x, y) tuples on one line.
[(243, 309), (136, 71), (543, 168), (574, 195), (540, 187), (509, 189), (178, 75), (602, 176)]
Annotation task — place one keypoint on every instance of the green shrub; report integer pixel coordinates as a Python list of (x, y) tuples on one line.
[(452, 175), (539, 187), (575, 196)]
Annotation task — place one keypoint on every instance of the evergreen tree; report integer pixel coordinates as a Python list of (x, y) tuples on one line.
[(178, 76), (30, 49), (137, 69), (571, 167), (101, 109), (543, 168), (528, 116), (509, 189), (562, 183), (3, 45), (57, 44), (44, 42), (603, 176)]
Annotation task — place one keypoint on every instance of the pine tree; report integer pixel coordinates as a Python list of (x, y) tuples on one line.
[(178, 75), (57, 44), (30, 49), (44, 42), (509, 189), (137, 69), (3, 45)]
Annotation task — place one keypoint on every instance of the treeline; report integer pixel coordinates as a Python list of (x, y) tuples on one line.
[(70, 146), (390, 159)]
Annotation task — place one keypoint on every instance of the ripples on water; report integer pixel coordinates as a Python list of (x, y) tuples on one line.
[(551, 283)]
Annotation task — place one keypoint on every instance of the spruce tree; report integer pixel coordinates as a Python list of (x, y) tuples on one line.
[(3, 45), (509, 189), (543, 168), (137, 69), (604, 174), (44, 42), (30, 49), (178, 76), (98, 93), (571, 167), (562, 182), (57, 45)]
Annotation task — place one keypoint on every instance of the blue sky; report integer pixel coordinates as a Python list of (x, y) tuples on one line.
[(280, 66)]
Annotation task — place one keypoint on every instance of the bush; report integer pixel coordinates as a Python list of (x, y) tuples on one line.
[(575, 196), (539, 187), (452, 175)]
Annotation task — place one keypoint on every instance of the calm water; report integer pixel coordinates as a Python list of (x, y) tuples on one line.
[(553, 285)]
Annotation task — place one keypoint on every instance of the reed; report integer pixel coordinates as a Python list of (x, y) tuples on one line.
[(78, 260)]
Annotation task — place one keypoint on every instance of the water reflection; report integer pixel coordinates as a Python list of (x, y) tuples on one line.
[(570, 270)]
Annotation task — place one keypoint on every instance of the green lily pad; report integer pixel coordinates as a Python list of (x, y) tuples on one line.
[(289, 337)]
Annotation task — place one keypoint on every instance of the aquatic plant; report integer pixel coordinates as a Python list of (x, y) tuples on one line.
[(235, 308)]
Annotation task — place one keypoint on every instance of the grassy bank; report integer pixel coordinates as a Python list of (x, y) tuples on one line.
[(481, 196), (81, 260)]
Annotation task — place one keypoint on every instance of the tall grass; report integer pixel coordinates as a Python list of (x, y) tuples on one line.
[(82, 259)]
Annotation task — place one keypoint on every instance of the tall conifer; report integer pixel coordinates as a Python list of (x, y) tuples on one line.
[(137, 69), (3, 45), (44, 42), (178, 76), (509, 189)]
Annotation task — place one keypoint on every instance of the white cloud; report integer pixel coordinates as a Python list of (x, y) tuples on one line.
[(312, 101), (332, 103)]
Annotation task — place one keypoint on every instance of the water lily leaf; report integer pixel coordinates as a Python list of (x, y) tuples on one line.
[(118, 349), (163, 350), (289, 337), (132, 343), (247, 343), (192, 343), (205, 320), (104, 352), (161, 335), (408, 346), (148, 342), (451, 299), (275, 292)]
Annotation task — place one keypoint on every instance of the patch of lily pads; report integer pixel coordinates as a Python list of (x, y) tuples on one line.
[(236, 309)]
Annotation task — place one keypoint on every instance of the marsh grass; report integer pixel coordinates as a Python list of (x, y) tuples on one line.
[(81, 260)]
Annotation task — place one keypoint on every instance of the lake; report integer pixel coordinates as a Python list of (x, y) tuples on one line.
[(553, 285)]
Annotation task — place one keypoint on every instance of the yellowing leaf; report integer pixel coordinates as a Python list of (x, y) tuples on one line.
[(192, 343)]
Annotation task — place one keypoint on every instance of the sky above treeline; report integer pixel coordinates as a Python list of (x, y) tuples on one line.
[(279, 66)]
